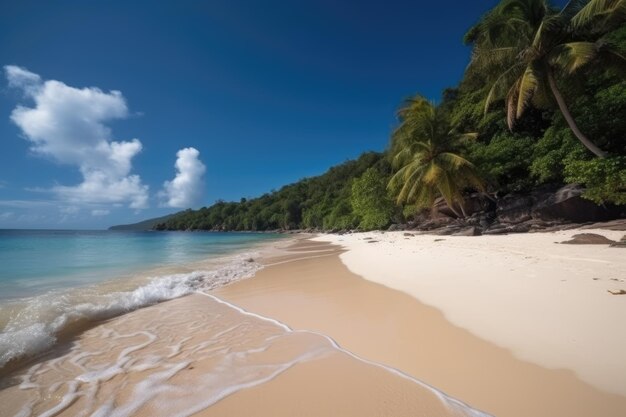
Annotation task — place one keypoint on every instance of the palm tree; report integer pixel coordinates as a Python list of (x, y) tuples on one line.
[(523, 45), (423, 150)]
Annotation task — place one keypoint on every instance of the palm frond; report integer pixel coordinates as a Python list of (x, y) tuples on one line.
[(511, 104), (571, 56), (502, 84), (608, 13), (527, 87)]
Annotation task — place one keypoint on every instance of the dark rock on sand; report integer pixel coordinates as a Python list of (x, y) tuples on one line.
[(588, 239), (469, 231), (396, 227)]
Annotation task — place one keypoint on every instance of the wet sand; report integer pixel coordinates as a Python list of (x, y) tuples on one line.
[(199, 356)]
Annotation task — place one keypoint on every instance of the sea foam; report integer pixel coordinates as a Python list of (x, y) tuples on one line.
[(34, 324)]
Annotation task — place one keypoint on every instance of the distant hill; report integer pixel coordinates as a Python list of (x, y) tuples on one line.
[(143, 225), (322, 202)]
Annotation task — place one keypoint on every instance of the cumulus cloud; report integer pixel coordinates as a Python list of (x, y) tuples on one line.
[(100, 212), (187, 187), (67, 124)]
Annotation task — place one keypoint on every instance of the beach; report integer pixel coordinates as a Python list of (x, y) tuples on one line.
[(378, 324)]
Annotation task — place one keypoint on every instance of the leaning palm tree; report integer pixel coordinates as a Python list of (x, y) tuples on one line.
[(423, 150), (521, 46)]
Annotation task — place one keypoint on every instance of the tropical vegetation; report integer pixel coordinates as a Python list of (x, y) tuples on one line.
[(542, 102)]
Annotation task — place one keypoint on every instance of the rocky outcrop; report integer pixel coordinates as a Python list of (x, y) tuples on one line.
[(543, 209), (474, 203), (567, 204)]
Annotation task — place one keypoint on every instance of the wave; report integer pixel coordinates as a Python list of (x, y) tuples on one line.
[(33, 325)]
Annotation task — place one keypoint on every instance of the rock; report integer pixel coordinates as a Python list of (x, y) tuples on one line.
[(588, 239), (372, 241), (501, 229), (567, 204), (617, 292), (436, 223), (514, 208), (618, 224), (470, 231), (408, 234), (473, 203), (250, 260)]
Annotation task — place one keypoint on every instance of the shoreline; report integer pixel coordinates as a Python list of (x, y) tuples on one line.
[(207, 357), (61, 315), (306, 285), (550, 304), (394, 328)]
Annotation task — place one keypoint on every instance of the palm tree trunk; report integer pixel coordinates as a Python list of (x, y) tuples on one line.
[(570, 120)]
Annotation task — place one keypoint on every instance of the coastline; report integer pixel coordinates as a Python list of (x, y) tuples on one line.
[(263, 368), (199, 355)]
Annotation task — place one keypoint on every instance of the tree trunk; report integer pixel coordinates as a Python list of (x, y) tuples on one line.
[(570, 120)]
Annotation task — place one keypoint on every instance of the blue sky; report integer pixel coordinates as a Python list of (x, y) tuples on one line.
[(244, 96)]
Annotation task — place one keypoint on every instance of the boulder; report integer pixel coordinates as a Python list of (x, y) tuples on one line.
[(473, 203), (567, 204), (588, 239), (436, 223), (469, 231), (514, 208), (502, 229)]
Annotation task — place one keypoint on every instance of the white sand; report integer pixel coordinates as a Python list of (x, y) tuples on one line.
[(522, 292)]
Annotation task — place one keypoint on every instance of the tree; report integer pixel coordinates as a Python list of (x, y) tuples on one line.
[(424, 149), (521, 47), (370, 200)]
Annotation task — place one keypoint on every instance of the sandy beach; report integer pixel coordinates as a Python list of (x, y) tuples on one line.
[(339, 326)]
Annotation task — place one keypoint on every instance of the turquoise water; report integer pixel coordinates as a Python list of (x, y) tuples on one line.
[(54, 281), (35, 261)]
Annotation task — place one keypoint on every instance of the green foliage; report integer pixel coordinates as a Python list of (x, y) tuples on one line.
[(604, 179), (370, 200), (517, 48), (550, 153), (424, 150), (521, 47), (322, 202), (505, 161)]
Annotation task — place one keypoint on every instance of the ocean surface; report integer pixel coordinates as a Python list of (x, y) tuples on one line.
[(54, 282)]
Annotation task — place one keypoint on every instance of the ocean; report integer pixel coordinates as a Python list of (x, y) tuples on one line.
[(53, 283)]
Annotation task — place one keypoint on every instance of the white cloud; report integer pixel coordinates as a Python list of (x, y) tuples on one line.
[(100, 212), (69, 210), (6, 215), (187, 187), (67, 124)]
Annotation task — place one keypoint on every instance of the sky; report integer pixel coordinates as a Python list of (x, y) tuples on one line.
[(112, 112)]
